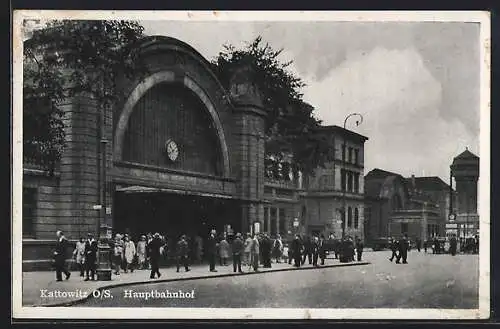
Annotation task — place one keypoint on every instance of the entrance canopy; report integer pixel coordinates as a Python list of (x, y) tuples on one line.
[(146, 189)]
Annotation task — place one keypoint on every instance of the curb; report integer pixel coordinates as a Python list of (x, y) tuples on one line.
[(124, 284)]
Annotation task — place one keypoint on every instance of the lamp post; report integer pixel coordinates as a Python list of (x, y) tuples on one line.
[(344, 174)]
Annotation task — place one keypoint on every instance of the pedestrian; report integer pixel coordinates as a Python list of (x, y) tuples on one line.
[(149, 238), (266, 247), (60, 256), (155, 255), (394, 248), (247, 250), (224, 251), (212, 250), (237, 253), (308, 250), (322, 249), (359, 248), (418, 242), (129, 253), (453, 245), (79, 255), (296, 249), (425, 246), (118, 253), (182, 253), (277, 249), (404, 246), (286, 254), (315, 250), (141, 252), (90, 257), (255, 253)]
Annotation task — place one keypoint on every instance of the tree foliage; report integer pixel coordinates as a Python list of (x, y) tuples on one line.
[(67, 58), (291, 125)]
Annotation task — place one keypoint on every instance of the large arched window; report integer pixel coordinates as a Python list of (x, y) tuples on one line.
[(356, 218), (349, 217)]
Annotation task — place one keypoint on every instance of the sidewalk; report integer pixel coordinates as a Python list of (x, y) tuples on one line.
[(34, 282)]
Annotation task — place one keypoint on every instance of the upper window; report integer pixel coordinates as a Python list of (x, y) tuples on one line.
[(356, 218), (356, 156), (350, 154)]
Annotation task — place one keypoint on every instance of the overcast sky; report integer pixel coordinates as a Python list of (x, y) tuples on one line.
[(416, 84)]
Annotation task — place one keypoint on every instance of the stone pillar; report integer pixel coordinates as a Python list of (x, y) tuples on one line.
[(277, 225), (249, 135)]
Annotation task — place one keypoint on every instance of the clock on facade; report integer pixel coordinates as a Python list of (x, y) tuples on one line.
[(172, 150), (452, 217)]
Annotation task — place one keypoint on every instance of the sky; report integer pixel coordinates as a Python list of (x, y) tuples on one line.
[(416, 84)]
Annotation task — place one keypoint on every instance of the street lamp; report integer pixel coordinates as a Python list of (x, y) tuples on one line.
[(344, 186)]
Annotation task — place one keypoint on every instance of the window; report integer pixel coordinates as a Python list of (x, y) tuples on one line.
[(349, 217), (343, 179), (29, 206), (350, 154), (356, 156), (356, 182), (404, 228), (349, 181), (343, 152), (356, 218)]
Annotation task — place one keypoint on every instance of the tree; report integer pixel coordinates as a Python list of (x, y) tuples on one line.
[(291, 125), (69, 58)]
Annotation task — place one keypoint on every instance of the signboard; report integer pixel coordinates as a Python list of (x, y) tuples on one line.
[(451, 226), (97, 207), (256, 227), (108, 210)]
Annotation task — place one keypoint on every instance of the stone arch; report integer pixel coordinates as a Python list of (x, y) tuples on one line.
[(170, 77)]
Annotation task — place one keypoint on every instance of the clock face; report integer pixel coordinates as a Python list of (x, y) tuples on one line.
[(172, 150)]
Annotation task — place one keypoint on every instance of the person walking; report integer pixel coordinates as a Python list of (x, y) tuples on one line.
[(247, 250), (141, 252), (296, 248), (182, 253), (359, 249), (79, 255), (118, 253), (266, 246), (224, 251), (308, 250), (237, 253), (394, 248), (404, 246), (154, 255), (129, 253), (278, 249), (212, 250), (322, 249), (453, 245), (315, 251), (60, 256), (255, 253), (418, 242), (90, 257)]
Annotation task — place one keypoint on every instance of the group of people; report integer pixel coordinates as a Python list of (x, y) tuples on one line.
[(250, 251)]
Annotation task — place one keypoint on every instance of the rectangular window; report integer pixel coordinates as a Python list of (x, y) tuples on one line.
[(356, 156), (29, 207), (343, 179), (350, 155), (356, 182), (343, 152), (349, 217), (356, 218), (404, 228), (349, 181)]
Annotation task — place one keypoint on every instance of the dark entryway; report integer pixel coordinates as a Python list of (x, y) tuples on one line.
[(173, 214)]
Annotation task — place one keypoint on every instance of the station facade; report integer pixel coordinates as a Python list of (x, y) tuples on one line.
[(178, 154)]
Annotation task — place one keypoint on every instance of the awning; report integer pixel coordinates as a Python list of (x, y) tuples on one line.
[(145, 189)]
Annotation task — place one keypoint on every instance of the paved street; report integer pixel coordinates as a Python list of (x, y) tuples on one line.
[(428, 281)]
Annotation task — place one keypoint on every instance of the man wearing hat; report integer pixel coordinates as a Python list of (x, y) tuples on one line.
[(90, 257), (154, 254), (182, 253), (212, 250), (238, 247)]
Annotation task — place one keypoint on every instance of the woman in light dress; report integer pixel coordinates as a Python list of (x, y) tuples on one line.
[(224, 251), (130, 252), (79, 255), (141, 252)]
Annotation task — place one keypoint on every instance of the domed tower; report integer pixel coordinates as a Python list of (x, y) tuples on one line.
[(465, 169)]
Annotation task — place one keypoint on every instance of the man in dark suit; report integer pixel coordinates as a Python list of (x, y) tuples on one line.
[(359, 248), (154, 253), (212, 250), (60, 257), (183, 253), (90, 257), (296, 248), (394, 244), (404, 246)]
